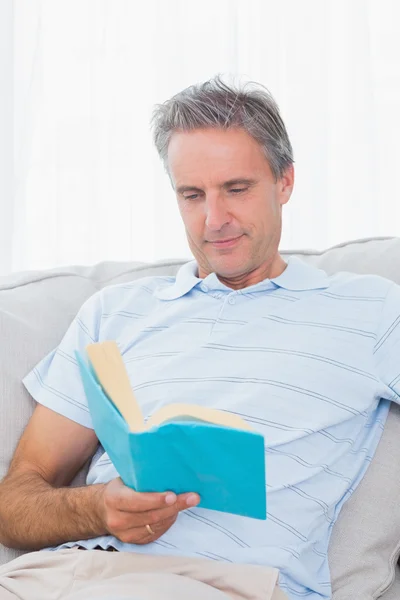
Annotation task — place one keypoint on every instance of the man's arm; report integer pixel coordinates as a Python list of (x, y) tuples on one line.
[(36, 511)]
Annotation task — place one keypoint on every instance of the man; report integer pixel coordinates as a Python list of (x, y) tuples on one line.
[(310, 361)]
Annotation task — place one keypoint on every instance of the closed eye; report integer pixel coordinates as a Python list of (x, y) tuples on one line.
[(234, 191), (238, 190)]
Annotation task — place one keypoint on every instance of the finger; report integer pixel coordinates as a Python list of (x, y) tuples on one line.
[(160, 528), (183, 502), (140, 535), (131, 501), (129, 519), (188, 500)]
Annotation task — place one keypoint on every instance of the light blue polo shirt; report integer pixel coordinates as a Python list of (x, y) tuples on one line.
[(310, 361)]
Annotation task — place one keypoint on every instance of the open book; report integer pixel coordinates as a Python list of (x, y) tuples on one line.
[(181, 447)]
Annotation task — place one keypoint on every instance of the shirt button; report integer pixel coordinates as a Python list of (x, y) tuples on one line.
[(231, 300), (204, 287)]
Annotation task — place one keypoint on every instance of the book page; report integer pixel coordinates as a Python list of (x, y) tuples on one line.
[(199, 413), (110, 369)]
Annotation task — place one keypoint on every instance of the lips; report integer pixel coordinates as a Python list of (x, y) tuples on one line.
[(227, 243)]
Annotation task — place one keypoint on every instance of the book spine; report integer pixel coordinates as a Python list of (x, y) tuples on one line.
[(144, 460)]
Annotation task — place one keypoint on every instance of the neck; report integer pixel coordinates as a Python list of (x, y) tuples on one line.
[(267, 270)]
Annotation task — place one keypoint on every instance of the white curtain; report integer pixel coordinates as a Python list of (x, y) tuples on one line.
[(87, 184)]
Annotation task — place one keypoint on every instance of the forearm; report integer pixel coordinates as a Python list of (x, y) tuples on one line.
[(34, 515)]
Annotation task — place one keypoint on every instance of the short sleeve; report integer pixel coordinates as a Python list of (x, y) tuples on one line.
[(55, 381), (387, 346)]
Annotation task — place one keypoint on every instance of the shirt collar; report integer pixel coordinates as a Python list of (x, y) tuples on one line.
[(298, 276), (186, 279)]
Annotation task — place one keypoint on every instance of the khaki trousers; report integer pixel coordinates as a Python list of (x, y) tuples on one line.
[(74, 574)]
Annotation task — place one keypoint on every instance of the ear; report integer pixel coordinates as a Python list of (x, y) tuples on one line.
[(285, 185)]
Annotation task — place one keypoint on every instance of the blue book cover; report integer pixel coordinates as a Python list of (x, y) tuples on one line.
[(224, 465)]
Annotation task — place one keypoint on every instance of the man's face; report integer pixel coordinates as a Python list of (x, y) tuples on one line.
[(229, 202)]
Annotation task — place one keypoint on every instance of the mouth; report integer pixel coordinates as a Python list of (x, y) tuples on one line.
[(227, 243)]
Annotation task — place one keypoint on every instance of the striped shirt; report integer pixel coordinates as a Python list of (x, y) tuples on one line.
[(309, 360)]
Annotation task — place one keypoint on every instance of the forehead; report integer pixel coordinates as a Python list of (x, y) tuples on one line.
[(220, 153)]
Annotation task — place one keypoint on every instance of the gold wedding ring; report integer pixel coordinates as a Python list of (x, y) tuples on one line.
[(149, 529)]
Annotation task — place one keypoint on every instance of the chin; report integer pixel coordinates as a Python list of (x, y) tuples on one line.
[(227, 266)]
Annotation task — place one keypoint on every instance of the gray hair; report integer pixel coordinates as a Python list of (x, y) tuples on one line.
[(216, 104)]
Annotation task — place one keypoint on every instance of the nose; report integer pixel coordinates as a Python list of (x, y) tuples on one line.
[(217, 214)]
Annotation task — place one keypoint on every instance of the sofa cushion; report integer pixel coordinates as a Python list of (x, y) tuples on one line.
[(36, 308), (393, 592), (365, 541)]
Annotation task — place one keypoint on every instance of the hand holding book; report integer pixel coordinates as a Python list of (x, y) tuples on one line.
[(139, 517)]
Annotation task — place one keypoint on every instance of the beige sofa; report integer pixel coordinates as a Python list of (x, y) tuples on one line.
[(36, 308)]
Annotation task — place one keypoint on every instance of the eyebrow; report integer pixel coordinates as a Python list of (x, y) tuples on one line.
[(240, 181)]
